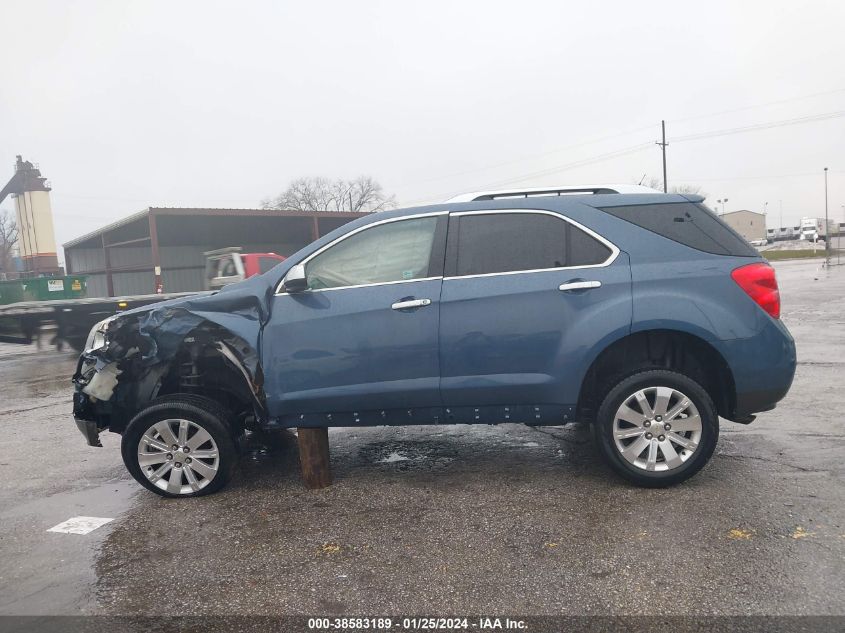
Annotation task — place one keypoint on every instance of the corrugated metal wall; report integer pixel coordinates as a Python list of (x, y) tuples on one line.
[(183, 267), (81, 260), (97, 286), (135, 283)]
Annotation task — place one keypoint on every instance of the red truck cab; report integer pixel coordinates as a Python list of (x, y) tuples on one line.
[(229, 265)]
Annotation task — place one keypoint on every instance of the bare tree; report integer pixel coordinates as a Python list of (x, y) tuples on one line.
[(8, 239), (323, 194), (656, 183)]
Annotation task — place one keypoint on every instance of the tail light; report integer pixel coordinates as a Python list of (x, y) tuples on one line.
[(758, 281)]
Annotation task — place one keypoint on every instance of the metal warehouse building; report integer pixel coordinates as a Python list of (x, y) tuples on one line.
[(751, 225), (166, 245)]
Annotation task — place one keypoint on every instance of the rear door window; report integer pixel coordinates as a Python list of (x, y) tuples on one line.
[(489, 243), (691, 224)]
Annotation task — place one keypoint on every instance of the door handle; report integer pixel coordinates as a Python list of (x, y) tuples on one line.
[(579, 285), (413, 303)]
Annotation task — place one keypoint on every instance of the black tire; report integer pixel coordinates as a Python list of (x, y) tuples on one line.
[(620, 392), (203, 412)]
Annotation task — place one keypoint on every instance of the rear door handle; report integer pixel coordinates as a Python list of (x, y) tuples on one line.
[(579, 285), (413, 303)]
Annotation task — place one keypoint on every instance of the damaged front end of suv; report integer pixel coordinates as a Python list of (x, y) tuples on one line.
[(203, 346)]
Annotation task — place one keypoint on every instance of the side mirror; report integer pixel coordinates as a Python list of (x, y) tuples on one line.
[(295, 280)]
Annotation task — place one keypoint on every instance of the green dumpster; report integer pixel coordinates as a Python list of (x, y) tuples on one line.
[(50, 288), (11, 292)]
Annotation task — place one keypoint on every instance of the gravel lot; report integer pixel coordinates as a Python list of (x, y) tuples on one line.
[(441, 520)]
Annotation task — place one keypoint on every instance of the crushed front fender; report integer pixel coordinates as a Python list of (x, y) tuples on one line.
[(144, 346)]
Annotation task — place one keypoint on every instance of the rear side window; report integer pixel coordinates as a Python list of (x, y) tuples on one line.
[(508, 242), (688, 223)]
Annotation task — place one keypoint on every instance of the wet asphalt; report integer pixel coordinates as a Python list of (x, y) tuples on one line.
[(440, 520)]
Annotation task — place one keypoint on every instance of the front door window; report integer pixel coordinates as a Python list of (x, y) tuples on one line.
[(390, 252)]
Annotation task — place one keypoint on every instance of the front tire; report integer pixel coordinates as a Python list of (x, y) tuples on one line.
[(180, 446), (657, 428)]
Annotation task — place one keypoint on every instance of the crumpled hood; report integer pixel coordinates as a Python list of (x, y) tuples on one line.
[(241, 308)]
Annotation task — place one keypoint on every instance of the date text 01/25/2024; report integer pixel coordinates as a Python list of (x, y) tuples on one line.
[(417, 624)]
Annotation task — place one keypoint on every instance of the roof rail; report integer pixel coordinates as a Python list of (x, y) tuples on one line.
[(550, 191)]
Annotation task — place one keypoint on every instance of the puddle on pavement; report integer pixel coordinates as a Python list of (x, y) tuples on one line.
[(48, 573)]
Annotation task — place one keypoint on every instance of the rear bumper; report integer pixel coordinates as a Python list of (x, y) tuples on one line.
[(763, 367), (752, 402)]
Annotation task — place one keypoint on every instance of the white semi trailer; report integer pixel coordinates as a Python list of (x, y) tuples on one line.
[(817, 229)]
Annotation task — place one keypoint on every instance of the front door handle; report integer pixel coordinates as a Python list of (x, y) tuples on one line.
[(412, 303), (579, 285)]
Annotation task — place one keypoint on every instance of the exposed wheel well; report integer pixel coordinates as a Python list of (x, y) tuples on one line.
[(658, 349), (207, 364)]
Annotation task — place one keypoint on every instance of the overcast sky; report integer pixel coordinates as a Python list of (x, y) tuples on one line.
[(132, 104)]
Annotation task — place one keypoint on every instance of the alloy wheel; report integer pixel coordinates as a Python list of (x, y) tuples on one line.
[(178, 456), (657, 429)]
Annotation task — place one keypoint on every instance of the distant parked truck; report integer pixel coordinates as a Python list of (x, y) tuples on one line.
[(226, 266), (783, 233), (817, 229)]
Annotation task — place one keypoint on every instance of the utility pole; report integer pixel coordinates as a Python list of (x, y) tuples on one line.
[(663, 145), (827, 235)]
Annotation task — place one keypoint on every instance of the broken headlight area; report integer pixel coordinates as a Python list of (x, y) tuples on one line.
[(112, 347), (111, 344), (97, 336), (134, 359)]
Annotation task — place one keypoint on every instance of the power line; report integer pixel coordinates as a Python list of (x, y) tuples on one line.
[(691, 137), (641, 146), (760, 126), (578, 163), (758, 105), (536, 156), (766, 177), (625, 133), (552, 170)]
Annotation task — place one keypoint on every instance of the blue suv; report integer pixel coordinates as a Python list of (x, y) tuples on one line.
[(639, 312)]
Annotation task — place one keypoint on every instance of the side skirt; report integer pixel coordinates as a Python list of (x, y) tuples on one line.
[(532, 415)]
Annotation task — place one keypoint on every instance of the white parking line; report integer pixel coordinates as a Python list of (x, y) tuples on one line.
[(79, 525)]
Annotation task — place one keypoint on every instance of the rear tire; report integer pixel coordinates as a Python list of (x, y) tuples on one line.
[(656, 428), (180, 446)]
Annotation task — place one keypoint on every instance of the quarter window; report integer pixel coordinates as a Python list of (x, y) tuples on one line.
[(691, 224), (395, 251), (510, 242)]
